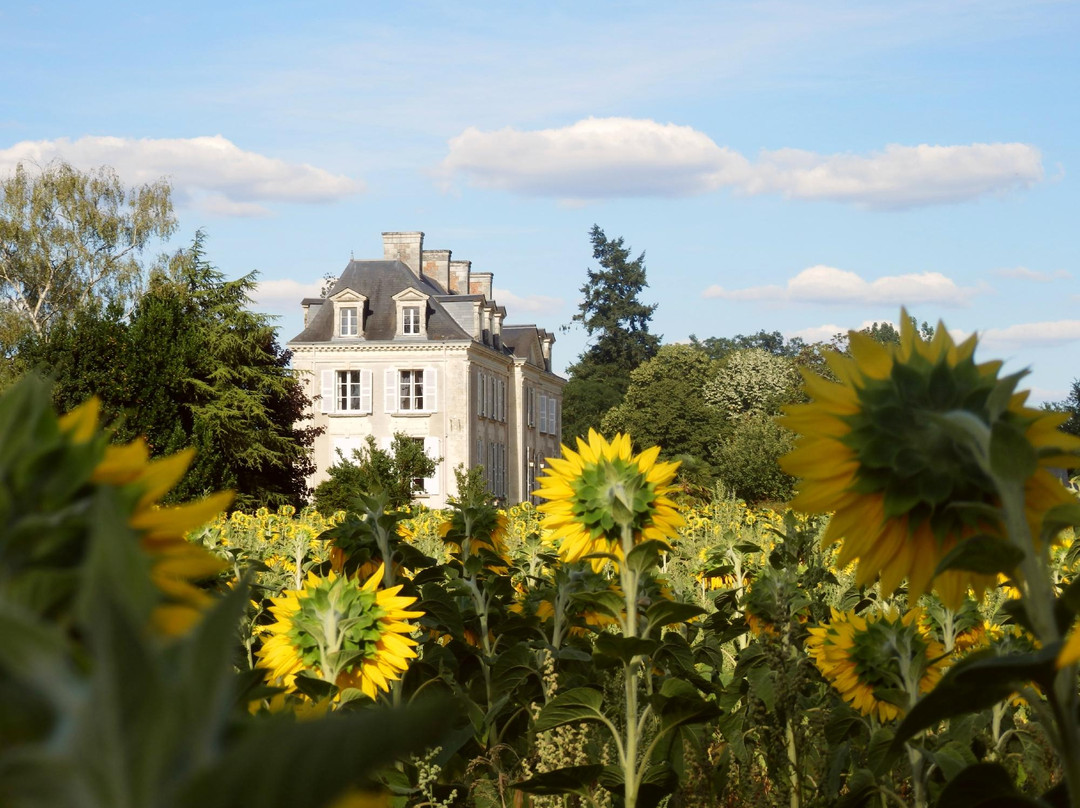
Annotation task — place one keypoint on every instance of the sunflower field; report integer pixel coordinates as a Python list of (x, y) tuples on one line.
[(901, 634)]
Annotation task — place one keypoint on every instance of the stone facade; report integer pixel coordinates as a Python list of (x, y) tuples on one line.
[(414, 344)]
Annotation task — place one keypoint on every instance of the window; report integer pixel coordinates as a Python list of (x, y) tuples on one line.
[(349, 389), (481, 397), (410, 320), (411, 390), (346, 391), (418, 484), (553, 416), (348, 321), (543, 414), (530, 406)]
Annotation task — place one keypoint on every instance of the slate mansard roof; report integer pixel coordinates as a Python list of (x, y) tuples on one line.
[(379, 281)]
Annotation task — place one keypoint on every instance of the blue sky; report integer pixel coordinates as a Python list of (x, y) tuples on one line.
[(800, 167)]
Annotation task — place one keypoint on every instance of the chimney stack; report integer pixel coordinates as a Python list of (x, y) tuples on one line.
[(405, 247), (480, 284), (436, 264), (459, 277)]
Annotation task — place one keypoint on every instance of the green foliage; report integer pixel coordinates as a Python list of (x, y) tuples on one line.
[(746, 459), (190, 367), (470, 484), (617, 323), (96, 710), (752, 381), (68, 239), (372, 470), (664, 404)]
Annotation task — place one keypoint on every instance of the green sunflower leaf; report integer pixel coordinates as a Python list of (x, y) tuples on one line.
[(570, 780), (666, 612), (624, 648), (985, 555), (1012, 457), (577, 704), (976, 784)]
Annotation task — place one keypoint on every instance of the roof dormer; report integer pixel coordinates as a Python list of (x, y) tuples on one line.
[(412, 311), (349, 309)]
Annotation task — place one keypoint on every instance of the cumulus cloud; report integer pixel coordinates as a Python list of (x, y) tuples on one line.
[(831, 286), (1025, 274), (534, 304), (283, 296), (1033, 335), (599, 158), (594, 158), (210, 172)]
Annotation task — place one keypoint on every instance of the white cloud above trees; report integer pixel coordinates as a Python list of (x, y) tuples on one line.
[(827, 285), (211, 173), (600, 158)]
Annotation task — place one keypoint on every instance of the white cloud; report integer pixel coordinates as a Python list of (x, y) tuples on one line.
[(1033, 335), (818, 333), (594, 158), (211, 172), (598, 158), (283, 296), (1025, 274), (535, 304), (828, 285)]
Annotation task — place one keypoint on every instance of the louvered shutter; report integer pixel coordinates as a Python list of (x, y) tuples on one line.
[(365, 392), (431, 390), (543, 414), (328, 391), (390, 397), (432, 484), (552, 416)]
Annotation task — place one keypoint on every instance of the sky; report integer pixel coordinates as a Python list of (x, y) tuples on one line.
[(802, 167)]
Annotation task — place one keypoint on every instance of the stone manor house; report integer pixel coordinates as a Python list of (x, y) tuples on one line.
[(414, 343)]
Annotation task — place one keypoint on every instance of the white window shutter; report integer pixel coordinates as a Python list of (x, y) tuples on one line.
[(431, 390), (552, 416), (432, 484), (328, 390), (390, 382), (543, 414), (365, 392), (479, 392), (503, 384)]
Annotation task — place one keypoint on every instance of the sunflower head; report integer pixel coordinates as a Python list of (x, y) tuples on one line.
[(603, 488), (340, 631), (880, 449), (475, 533), (879, 663)]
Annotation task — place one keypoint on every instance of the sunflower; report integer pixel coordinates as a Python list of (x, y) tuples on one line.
[(873, 449), (877, 660), (483, 530), (602, 487), (344, 632), (176, 563)]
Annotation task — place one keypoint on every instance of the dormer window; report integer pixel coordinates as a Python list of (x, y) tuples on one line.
[(348, 321), (410, 319), (412, 310), (348, 314)]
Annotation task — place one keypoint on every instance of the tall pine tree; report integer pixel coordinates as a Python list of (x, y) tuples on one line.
[(617, 324)]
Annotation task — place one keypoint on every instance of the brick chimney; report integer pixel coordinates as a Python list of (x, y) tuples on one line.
[(405, 247)]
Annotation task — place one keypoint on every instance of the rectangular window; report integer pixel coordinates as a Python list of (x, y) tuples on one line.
[(349, 390), (348, 321), (410, 320), (419, 485), (411, 390), (530, 406)]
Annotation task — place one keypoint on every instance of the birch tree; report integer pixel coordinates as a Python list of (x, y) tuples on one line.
[(68, 237)]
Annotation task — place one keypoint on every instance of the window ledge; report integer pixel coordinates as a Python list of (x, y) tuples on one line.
[(348, 414), (411, 414)]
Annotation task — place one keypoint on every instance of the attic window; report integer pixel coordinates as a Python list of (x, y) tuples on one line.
[(348, 321), (410, 319)]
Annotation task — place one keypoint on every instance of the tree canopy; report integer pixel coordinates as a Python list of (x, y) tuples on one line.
[(190, 366), (69, 238), (617, 323)]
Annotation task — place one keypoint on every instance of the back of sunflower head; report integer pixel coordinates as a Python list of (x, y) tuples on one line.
[(73, 506)]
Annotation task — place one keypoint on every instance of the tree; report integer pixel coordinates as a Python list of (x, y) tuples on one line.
[(371, 470), (190, 366), (752, 381), (665, 405), (617, 323), (69, 238)]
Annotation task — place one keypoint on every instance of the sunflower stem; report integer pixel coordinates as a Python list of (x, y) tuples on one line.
[(629, 579)]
